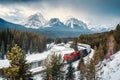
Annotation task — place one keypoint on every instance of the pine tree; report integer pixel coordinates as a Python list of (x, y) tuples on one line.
[(91, 72), (96, 57), (19, 67), (70, 72), (74, 44), (2, 50), (54, 65), (31, 47), (24, 72), (95, 65), (11, 72), (81, 67), (101, 52)]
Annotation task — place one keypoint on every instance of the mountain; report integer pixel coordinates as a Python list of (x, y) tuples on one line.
[(56, 24), (75, 24), (53, 28), (34, 21), (5, 24), (102, 29)]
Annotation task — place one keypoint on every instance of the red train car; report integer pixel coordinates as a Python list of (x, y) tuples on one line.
[(75, 55), (72, 56)]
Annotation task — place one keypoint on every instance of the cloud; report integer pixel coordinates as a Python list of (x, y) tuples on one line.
[(97, 7), (15, 14), (92, 12)]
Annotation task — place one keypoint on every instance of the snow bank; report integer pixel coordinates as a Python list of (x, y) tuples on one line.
[(38, 69), (53, 48), (36, 57), (2, 78)]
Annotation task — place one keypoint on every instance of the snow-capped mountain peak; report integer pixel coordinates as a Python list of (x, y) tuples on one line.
[(54, 22), (35, 21), (72, 22)]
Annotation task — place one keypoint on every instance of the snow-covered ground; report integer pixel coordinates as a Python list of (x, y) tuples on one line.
[(112, 69), (60, 49), (54, 48), (1, 78)]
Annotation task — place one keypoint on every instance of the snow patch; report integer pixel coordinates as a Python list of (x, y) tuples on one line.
[(4, 63)]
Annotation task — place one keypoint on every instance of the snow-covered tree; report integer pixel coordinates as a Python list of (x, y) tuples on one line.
[(82, 68), (70, 72)]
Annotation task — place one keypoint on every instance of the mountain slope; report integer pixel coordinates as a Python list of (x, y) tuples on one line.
[(112, 69), (4, 25)]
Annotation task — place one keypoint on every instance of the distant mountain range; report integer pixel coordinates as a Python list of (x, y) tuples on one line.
[(38, 21), (52, 28)]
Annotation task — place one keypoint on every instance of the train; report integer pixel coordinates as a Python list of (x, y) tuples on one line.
[(70, 57)]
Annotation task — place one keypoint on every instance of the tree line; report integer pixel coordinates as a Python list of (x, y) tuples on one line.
[(28, 41)]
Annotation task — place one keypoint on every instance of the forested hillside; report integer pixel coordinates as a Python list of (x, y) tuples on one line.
[(28, 41), (105, 40)]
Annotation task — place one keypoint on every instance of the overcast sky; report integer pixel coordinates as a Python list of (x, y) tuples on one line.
[(95, 13)]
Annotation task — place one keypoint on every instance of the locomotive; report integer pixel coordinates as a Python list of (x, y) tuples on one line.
[(75, 55)]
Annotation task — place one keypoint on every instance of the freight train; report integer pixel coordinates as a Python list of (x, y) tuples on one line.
[(70, 57)]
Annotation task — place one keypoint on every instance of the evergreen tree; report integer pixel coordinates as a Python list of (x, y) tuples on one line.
[(2, 50), (101, 52), (74, 45), (96, 56), (70, 72), (54, 66), (95, 65), (31, 47), (19, 67), (81, 67), (91, 72)]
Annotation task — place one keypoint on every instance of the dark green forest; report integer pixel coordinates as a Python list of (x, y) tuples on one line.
[(28, 41)]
